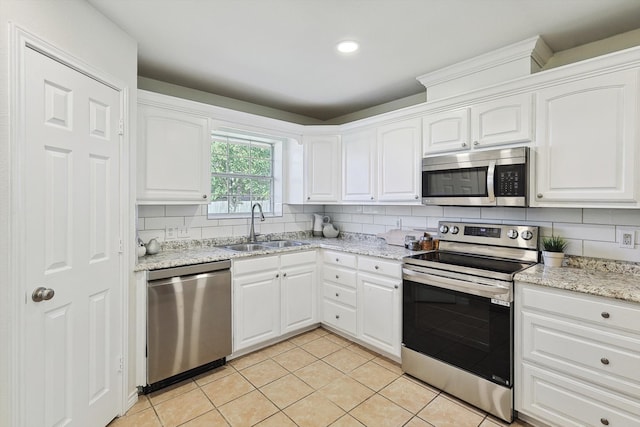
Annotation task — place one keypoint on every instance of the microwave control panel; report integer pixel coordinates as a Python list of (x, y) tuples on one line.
[(510, 180)]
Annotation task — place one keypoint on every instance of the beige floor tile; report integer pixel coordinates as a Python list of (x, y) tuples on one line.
[(373, 375), (345, 360), (417, 422), (264, 373), (277, 420), (171, 391), (214, 374), (464, 404), (286, 390), (378, 411), (227, 388), (183, 408), (145, 418), (346, 392), (322, 331), (306, 337), (342, 342), (490, 423), (248, 410), (141, 404), (318, 374), (364, 352), (212, 418), (408, 394), (446, 413), (388, 364), (314, 411), (276, 349), (321, 347), (295, 359), (347, 421), (248, 360)]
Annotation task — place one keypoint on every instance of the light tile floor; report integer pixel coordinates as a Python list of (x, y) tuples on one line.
[(315, 379)]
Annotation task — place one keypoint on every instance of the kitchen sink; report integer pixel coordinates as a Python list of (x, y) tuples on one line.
[(282, 243), (245, 247)]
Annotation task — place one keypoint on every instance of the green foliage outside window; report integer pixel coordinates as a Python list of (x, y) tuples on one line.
[(241, 174)]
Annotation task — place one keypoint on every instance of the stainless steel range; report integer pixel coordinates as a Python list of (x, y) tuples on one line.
[(457, 330)]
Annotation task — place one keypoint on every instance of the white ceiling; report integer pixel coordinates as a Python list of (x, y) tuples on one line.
[(281, 53)]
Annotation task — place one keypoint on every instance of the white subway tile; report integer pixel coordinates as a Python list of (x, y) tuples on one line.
[(147, 211), (399, 210), (240, 230), (600, 233), (313, 208), (329, 209), (462, 212), (200, 221), (232, 222), (195, 233), (362, 219), (373, 229), (156, 223), (304, 218), (427, 211), (352, 209), (291, 227), (611, 251), (574, 247), (265, 228), (140, 224), (501, 213), (554, 214), (386, 220), (342, 218), (213, 232), (147, 235), (374, 209), (351, 228), (611, 216), (410, 222), (182, 210)]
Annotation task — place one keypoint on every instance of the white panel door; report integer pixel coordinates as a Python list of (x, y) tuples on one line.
[(322, 168), (72, 343), (359, 154), (256, 308), (379, 321), (445, 132), (298, 297)]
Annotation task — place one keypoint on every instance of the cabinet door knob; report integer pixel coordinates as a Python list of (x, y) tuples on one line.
[(371, 197), (337, 259), (337, 294), (604, 421), (604, 314), (464, 144), (337, 316), (308, 198), (204, 196), (284, 275), (277, 275), (415, 197), (539, 195), (337, 277), (396, 286), (604, 361), (376, 267), (476, 143)]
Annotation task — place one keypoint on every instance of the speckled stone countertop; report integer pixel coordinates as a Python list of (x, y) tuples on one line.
[(175, 257), (598, 277)]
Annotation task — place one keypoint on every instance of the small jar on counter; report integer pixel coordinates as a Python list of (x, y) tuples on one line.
[(426, 243)]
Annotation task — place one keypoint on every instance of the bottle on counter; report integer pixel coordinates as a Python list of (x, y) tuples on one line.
[(426, 242)]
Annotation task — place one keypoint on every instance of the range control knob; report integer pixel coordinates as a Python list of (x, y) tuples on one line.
[(526, 235), (444, 229), (512, 234), (454, 230)]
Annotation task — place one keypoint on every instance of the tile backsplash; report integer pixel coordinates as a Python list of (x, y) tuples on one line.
[(590, 232)]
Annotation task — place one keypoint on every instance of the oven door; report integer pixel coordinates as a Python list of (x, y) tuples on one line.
[(471, 332)]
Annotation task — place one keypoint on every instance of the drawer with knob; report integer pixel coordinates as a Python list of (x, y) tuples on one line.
[(339, 258), (339, 294), (339, 316), (338, 275), (379, 266)]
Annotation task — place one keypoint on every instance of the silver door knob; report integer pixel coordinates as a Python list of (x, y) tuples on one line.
[(464, 144), (42, 294), (476, 143), (204, 196)]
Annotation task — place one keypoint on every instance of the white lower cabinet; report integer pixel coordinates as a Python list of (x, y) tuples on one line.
[(339, 298), (577, 358), (272, 295)]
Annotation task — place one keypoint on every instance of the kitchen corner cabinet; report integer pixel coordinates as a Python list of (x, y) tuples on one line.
[(321, 168), (272, 295), (587, 143), (400, 162), (576, 358), (173, 155), (506, 120), (379, 291)]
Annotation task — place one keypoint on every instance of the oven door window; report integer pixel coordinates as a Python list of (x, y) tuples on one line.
[(463, 330), (467, 182)]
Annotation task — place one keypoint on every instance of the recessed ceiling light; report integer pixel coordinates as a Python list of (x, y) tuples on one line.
[(348, 46)]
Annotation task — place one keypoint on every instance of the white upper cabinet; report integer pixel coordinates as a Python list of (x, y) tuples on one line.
[(506, 120), (173, 155), (399, 162), (322, 168), (587, 143), (359, 163)]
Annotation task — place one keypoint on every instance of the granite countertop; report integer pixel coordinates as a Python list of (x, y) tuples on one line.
[(187, 256), (595, 277)]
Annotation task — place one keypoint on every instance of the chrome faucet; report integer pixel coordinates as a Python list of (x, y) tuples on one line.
[(252, 233)]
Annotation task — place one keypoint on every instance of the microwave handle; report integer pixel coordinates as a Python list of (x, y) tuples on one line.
[(490, 181)]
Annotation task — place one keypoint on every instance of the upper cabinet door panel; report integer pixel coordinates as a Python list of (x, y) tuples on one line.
[(399, 162), (445, 132), (503, 121), (173, 156), (322, 168), (359, 151), (588, 142)]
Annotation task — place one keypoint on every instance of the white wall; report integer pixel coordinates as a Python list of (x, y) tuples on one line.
[(153, 221), (590, 232), (79, 30)]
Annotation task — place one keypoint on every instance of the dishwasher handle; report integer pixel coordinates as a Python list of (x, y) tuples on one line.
[(189, 270)]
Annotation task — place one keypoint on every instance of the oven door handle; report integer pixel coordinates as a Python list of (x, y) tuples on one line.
[(486, 291), (491, 171)]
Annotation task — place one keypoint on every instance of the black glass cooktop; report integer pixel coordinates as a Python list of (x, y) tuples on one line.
[(443, 259)]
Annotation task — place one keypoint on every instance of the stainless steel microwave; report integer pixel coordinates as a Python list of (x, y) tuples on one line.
[(477, 178)]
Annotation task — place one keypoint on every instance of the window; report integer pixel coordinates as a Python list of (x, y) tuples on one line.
[(244, 170)]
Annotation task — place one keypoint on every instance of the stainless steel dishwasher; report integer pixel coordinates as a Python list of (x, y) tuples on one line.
[(188, 321)]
